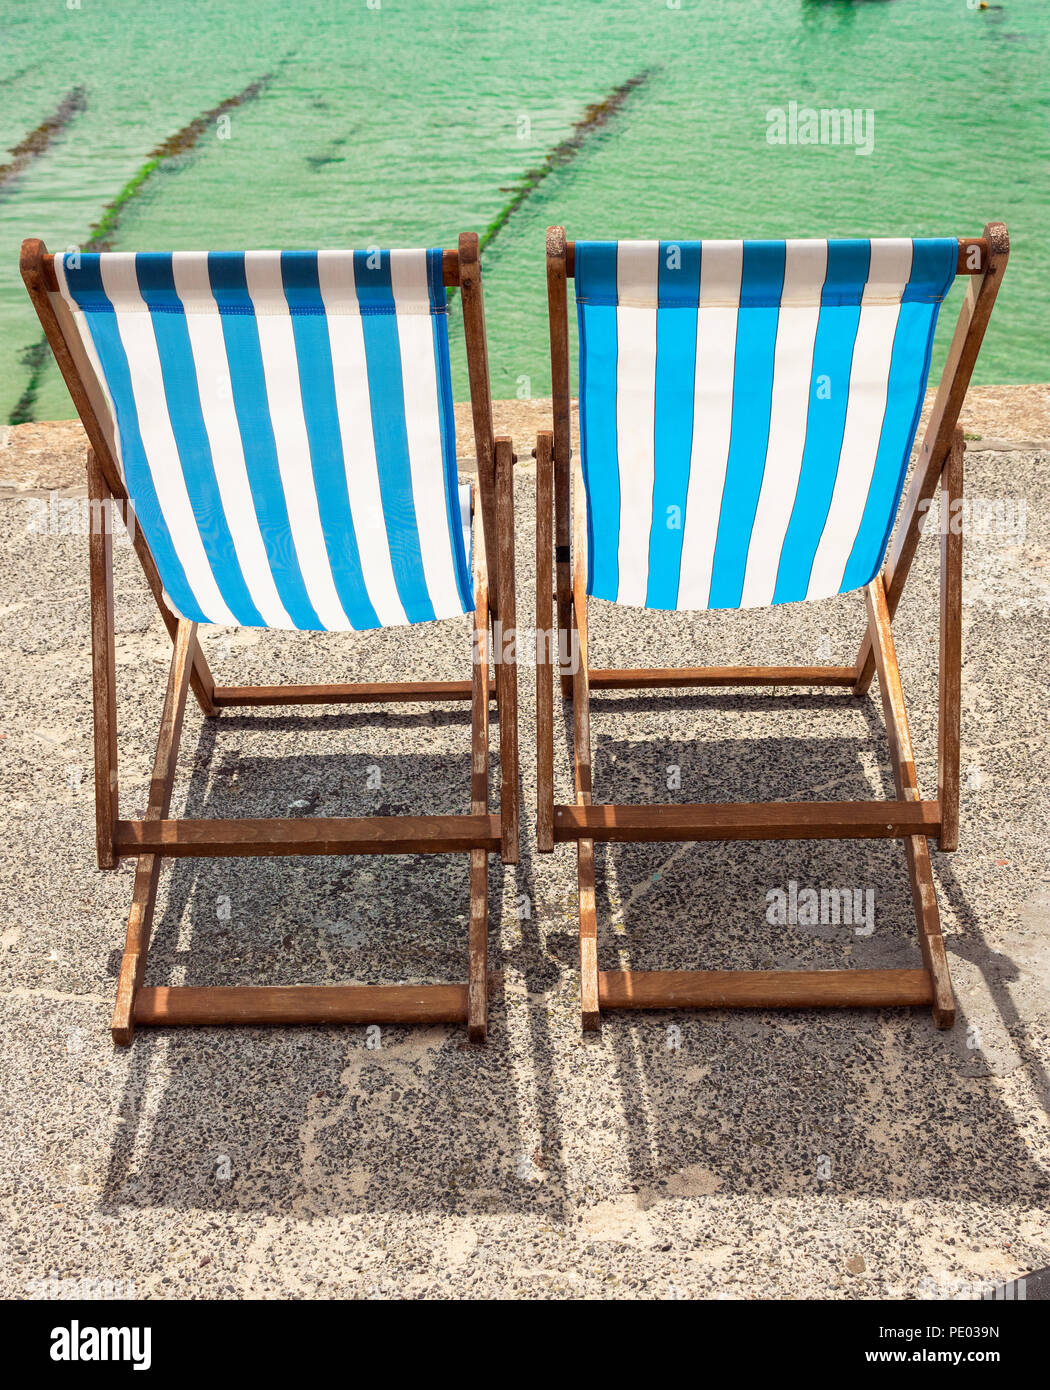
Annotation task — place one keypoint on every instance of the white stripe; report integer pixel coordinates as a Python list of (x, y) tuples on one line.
[(805, 267), (158, 440), (281, 371), (78, 339), (637, 287), (721, 266), (204, 326), (869, 377), (335, 274), (408, 282)]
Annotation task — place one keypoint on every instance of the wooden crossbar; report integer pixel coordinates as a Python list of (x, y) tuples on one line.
[(972, 257), (381, 693), (759, 820), (222, 839), (682, 677), (762, 989), (226, 1004), (449, 270)]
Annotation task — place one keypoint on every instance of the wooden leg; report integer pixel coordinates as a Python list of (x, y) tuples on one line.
[(581, 742), (544, 619), (103, 662), (950, 673), (478, 947), (147, 873), (505, 655), (916, 847)]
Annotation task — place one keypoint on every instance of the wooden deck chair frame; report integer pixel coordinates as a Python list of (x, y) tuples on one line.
[(908, 817), (156, 837)]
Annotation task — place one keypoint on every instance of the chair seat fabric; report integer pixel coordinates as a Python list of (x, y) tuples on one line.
[(283, 422), (747, 412)]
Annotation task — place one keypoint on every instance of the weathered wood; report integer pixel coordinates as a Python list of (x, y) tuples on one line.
[(940, 430), (590, 1013), (544, 636), (266, 1004), (506, 652), (916, 848), (219, 839), (147, 870), (103, 662), (742, 820), (360, 693), (76, 372), (684, 677), (478, 930), (950, 664), (480, 399), (762, 989), (558, 313)]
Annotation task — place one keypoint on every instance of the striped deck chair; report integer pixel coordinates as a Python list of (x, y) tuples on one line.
[(747, 413), (276, 430)]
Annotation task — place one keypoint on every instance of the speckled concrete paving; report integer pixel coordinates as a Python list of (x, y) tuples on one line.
[(826, 1155)]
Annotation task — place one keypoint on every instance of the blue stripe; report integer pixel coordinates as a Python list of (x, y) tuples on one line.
[(679, 284), (85, 285), (836, 334), (761, 285), (387, 401), (156, 279), (313, 352), (447, 424), (595, 271), (241, 335), (932, 272)]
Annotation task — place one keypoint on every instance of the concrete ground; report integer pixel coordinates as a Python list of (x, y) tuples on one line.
[(833, 1155)]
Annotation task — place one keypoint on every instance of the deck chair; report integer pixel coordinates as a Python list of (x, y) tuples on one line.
[(747, 413), (276, 431)]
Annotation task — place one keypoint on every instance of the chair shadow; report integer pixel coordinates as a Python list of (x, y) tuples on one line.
[(395, 1119), (873, 1103)]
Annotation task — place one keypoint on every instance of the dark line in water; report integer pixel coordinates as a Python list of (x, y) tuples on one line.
[(15, 76), (101, 234), (595, 116), (35, 357), (37, 141)]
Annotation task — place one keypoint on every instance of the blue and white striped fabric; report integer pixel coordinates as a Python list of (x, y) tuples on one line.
[(283, 423), (747, 410)]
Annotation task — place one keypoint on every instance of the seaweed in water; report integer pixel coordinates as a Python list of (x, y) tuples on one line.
[(37, 141), (35, 357)]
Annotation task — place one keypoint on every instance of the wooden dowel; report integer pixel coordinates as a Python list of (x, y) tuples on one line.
[(680, 678), (742, 820), (763, 989), (381, 693), (211, 839), (263, 1004)]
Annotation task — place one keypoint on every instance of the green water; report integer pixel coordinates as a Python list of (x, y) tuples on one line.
[(405, 125)]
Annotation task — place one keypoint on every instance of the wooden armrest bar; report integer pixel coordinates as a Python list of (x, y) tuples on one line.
[(218, 839), (769, 820)]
